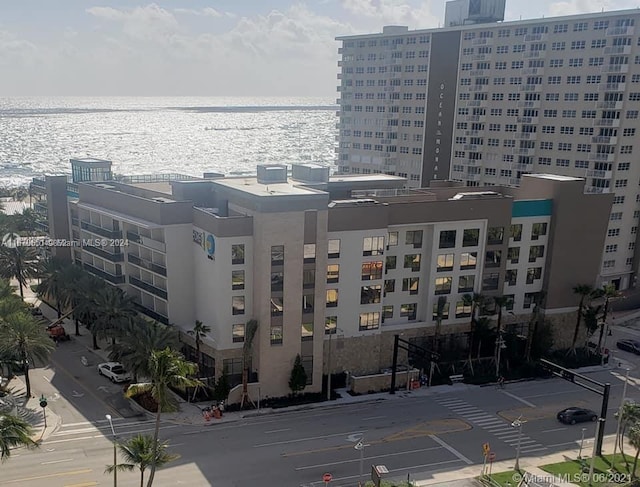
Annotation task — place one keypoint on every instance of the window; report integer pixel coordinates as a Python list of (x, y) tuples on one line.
[(410, 284), (511, 276), (237, 305), (237, 332), (466, 283), (308, 302), (275, 334), (308, 278), (468, 260), (513, 255), (389, 286), (391, 262), (516, 232), (334, 249), (369, 294), (533, 274), (387, 312), (535, 252), (369, 321), (493, 258), (412, 261), (392, 239), (414, 237), (490, 282), (277, 281), (277, 255), (408, 310), (447, 239), (372, 246), (372, 270), (440, 310), (445, 262), (332, 298), (538, 230), (495, 235), (471, 237), (237, 254), (237, 280), (306, 332), (333, 273), (463, 310), (443, 285), (309, 253), (277, 306), (330, 325)]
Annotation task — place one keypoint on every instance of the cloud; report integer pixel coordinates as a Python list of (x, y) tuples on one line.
[(149, 23), (205, 12), (393, 12), (573, 7)]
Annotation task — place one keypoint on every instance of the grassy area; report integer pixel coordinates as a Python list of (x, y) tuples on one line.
[(511, 476), (572, 471)]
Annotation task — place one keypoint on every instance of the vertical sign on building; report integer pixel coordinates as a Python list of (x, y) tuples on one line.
[(441, 104)]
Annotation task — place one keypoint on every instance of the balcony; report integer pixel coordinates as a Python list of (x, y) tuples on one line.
[(479, 57), (43, 226), (38, 183), (620, 31), (41, 207), (615, 68), (609, 105), (526, 135), (146, 241), (145, 264), (529, 104), (472, 132), (595, 173), (477, 72), (528, 120), (161, 293), (472, 147), (524, 152), (115, 279), (531, 88), (151, 314), (617, 50), (612, 87), (594, 189), (534, 54), (482, 42), (601, 139), (103, 232), (602, 157), (103, 253), (607, 122), (534, 37)]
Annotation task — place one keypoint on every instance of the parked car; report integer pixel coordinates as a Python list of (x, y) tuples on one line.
[(632, 346), (576, 415), (114, 371)]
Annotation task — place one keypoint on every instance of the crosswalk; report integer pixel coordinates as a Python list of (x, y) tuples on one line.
[(92, 430), (494, 425)]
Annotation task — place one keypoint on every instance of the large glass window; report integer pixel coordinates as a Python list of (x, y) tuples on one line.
[(391, 262), (490, 282), (307, 303), (277, 255), (369, 321), (445, 262), (414, 237), (333, 273), (237, 305), (412, 261), (533, 274), (389, 286), (443, 285), (237, 254), (371, 270), (511, 277), (410, 284), (516, 232), (493, 258), (444, 307), (468, 260), (538, 230), (393, 239), (409, 310), (373, 246), (463, 310), (275, 333), (306, 332), (513, 255), (330, 325), (495, 235), (535, 252), (471, 237), (237, 280), (447, 239), (466, 283), (309, 253), (237, 332), (370, 294), (332, 298), (308, 278), (387, 312), (334, 248), (277, 281), (277, 306)]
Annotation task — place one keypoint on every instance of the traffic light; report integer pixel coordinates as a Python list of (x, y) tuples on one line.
[(43, 401)]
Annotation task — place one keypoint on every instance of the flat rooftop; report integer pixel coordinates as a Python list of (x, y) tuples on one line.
[(554, 177), (252, 186), (91, 160), (161, 187), (348, 178)]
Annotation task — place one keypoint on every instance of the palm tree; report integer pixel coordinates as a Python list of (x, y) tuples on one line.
[(142, 337), (474, 300), (73, 279), (86, 308), (114, 311), (634, 439), (533, 323), (249, 334), (584, 291), (14, 432), (609, 292), (199, 331), (442, 301), (500, 302), (629, 416), (167, 368), (24, 338), (19, 263), (51, 283), (138, 452)]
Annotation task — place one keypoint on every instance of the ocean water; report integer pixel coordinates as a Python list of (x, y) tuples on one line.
[(144, 135)]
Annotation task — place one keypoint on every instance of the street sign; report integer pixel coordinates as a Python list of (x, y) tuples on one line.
[(359, 445), (492, 457), (327, 477), (486, 448), (43, 401)]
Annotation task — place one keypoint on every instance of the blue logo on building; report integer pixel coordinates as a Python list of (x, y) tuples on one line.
[(211, 245)]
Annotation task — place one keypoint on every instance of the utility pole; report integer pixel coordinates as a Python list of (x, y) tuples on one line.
[(394, 365), (624, 395), (329, 367)]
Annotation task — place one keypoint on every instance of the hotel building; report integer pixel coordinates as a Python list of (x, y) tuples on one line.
[(310, 255), (487, 103)]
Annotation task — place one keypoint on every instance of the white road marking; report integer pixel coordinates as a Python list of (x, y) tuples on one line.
[(529, 450), (563, 444), (102, 436), (298, 440), (57, 461), (278, 431), (46, 378), (523, 401), (451, 449), (554, 429), (372, 418), (306, 467)]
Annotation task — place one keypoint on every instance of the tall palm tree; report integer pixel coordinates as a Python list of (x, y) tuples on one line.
[(114, 311), (534, 321), (199, 331), (634, 439), (51, 283), (140, 338), (167, 368), (474, 300), (629, 415), (14, 432), (247, 347), (584, 291), (86, 308), (500, 302), (442, 301), (138, 452), (19, 263), (609, 292), (72, 280), (24, 338)]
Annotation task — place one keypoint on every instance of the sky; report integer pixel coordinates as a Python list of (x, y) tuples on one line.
[(206, 48)]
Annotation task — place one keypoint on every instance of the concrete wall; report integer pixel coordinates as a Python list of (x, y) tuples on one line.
[(380, 382), (58, 214)]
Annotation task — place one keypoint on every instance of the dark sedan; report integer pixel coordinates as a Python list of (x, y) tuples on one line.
[(632, 346), (576, 415)]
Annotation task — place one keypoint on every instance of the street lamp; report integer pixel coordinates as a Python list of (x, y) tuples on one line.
[(361, 446), (624, 395), (331, 333), (500, 344), (115, 452), (581, 443), (518, 424)]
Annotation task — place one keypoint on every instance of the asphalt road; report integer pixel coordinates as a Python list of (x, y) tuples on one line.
[(409, 434)]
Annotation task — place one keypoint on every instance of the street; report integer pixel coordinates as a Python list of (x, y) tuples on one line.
[(410, 433)]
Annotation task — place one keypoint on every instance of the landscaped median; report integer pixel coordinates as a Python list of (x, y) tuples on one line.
[(571, 472)]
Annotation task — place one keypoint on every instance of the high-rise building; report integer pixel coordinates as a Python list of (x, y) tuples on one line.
[(490, 102)]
